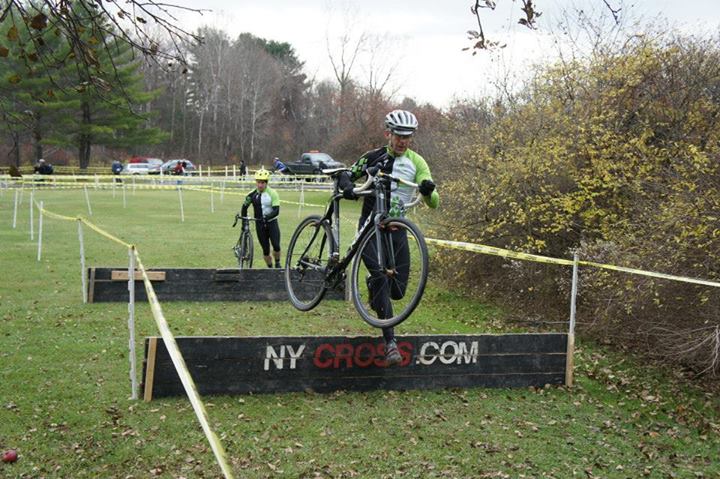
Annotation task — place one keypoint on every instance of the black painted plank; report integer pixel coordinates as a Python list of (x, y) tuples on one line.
[(197, 284), (235, 365)]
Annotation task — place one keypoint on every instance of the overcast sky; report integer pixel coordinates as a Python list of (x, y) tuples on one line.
[(426, 37)]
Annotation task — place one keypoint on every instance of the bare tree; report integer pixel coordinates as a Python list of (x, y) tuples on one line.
[(380, 65), (344, 51)]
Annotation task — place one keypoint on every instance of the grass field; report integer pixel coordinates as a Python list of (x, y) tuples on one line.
[(64, 383)]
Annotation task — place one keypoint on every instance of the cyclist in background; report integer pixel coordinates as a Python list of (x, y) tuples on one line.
[(397, 159), (279, 165), (266, 206)]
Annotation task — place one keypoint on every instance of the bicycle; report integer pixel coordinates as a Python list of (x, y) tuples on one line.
[(390, 271), (244, 247)]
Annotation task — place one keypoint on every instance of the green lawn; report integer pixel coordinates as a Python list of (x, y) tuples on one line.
[(64, 383)]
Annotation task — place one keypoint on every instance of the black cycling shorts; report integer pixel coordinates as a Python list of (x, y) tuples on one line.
[(268, 233)]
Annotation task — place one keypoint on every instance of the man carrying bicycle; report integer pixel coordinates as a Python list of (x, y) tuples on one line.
[(266, 206), (397, 159)]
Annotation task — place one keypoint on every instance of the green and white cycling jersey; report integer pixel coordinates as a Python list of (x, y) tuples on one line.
[(410, 167), (264, 203)]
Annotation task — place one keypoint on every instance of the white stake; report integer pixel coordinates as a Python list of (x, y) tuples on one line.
[(131, 322), (569, 361), (87, 200), (15, 209), (226, 171), (32, 221), (234, 174), (113, 187), (212, 200), (182, 209), (82, 263), (40, 223), (301, 200), (124, 201), (97, 181), (200, 170), (133, 178)]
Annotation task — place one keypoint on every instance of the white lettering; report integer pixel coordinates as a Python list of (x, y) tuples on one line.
[(449, 352), (278, 359), (295, 355), (271, 354), (446, 358), (470, 356), (423, 358)]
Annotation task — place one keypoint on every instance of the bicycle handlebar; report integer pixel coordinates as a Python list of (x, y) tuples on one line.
[(244, 218), (365, 188)]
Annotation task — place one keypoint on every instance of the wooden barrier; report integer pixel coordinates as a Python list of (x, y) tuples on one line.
[(192, 284), (243, 365)]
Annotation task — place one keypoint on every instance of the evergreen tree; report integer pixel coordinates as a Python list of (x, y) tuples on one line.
[(65, 102)]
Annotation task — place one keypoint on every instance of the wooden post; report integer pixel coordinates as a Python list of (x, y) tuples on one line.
[(40, 223), (569, 362), (131, 322), (87, 200), (82, 263)]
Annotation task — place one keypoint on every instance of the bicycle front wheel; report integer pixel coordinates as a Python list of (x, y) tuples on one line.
[(243, 250), (389, 273), (306, 262), (246, 260)]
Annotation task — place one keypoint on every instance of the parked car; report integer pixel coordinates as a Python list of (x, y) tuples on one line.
[(168, 168), (154, 165), (312, 162), (136, 169)]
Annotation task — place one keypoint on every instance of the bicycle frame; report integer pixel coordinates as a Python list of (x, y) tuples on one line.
[(380, 188)]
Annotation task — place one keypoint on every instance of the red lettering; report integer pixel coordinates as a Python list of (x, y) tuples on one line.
[(364, 360), (318, 360), (405, 349), (344, 351), (364, 355), (380, 356)]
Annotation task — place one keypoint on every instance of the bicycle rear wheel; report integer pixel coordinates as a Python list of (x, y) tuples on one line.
[(387, 296), (306, 261)]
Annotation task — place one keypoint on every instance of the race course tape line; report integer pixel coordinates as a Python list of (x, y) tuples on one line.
[(182, 370), (492, 250), (170, 344)]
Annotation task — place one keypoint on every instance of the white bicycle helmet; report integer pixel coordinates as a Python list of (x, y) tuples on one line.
[(401, 122)]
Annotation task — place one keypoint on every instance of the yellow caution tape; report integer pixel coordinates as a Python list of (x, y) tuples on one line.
[(56, 216), (105, 233), (99, 230), (478, 248), (652, 274), (505, 253), (182, 370), (170, 344)]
